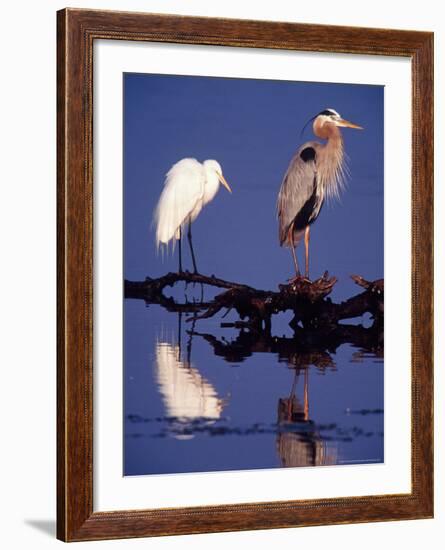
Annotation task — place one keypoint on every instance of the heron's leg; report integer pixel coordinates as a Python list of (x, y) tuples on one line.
[(297, 269), (180, 250), (189, 234), (306, 393), (292, 395), (292, 247), (306, 247)]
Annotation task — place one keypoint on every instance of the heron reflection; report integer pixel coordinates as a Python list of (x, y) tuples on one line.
[(299, 442)]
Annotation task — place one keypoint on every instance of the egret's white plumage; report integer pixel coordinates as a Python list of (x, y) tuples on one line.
[(189, 185)]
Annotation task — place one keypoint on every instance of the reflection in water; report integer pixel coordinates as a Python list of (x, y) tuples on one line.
[(302, 445), (185, 393), (304, 348), (299, 441), (193, 406), (195, 427)]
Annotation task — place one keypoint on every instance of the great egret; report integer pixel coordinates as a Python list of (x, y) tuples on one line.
[(316, 170), (189, 186)]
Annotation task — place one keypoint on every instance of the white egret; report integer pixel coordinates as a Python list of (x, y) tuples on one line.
[(189, 185)]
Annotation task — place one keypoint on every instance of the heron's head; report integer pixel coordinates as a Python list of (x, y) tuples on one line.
[(213, 167), (330, 117)]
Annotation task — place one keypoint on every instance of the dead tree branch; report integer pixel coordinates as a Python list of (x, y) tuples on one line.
[(307, 299)]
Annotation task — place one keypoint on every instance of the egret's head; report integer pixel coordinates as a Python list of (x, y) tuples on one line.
[(329, 116), (214, 167)]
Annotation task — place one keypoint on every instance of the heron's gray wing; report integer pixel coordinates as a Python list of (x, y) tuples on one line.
[(297, 189)]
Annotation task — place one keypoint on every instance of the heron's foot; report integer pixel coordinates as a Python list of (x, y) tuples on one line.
[(299, 278), (311, 290)]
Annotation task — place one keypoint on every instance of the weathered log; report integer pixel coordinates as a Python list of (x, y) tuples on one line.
[(307, 299)]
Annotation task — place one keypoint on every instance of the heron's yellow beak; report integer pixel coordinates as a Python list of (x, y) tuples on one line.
[(224, 182), (346, 124)]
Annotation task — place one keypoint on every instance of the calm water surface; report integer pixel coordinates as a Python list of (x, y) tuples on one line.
[(189, 410)]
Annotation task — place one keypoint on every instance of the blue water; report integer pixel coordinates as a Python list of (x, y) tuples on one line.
[(201, 397)]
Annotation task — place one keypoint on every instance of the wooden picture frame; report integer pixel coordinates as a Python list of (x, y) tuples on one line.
[(77, 31)]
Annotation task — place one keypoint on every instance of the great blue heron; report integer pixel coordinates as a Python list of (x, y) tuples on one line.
[(316, 171), (189, 185)]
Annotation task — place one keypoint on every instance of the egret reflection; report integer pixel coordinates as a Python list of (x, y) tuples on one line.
[(187, 396)]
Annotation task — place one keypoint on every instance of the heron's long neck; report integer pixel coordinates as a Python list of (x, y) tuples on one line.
[(330, 163)]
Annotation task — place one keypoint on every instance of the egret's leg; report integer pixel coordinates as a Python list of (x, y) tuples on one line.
[(189, 344), (179, 335), (180, 250), (306, 247), (191, 247)]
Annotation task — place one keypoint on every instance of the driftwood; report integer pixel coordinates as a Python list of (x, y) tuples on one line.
[(306, 299)]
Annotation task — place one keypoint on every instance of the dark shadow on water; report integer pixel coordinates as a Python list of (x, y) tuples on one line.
[(46, 526), (305, 348)]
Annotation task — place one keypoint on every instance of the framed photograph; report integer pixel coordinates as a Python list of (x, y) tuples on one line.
[(234, 197)]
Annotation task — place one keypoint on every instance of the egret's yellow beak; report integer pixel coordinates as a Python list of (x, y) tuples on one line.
[(224, 182), (346, 124)]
